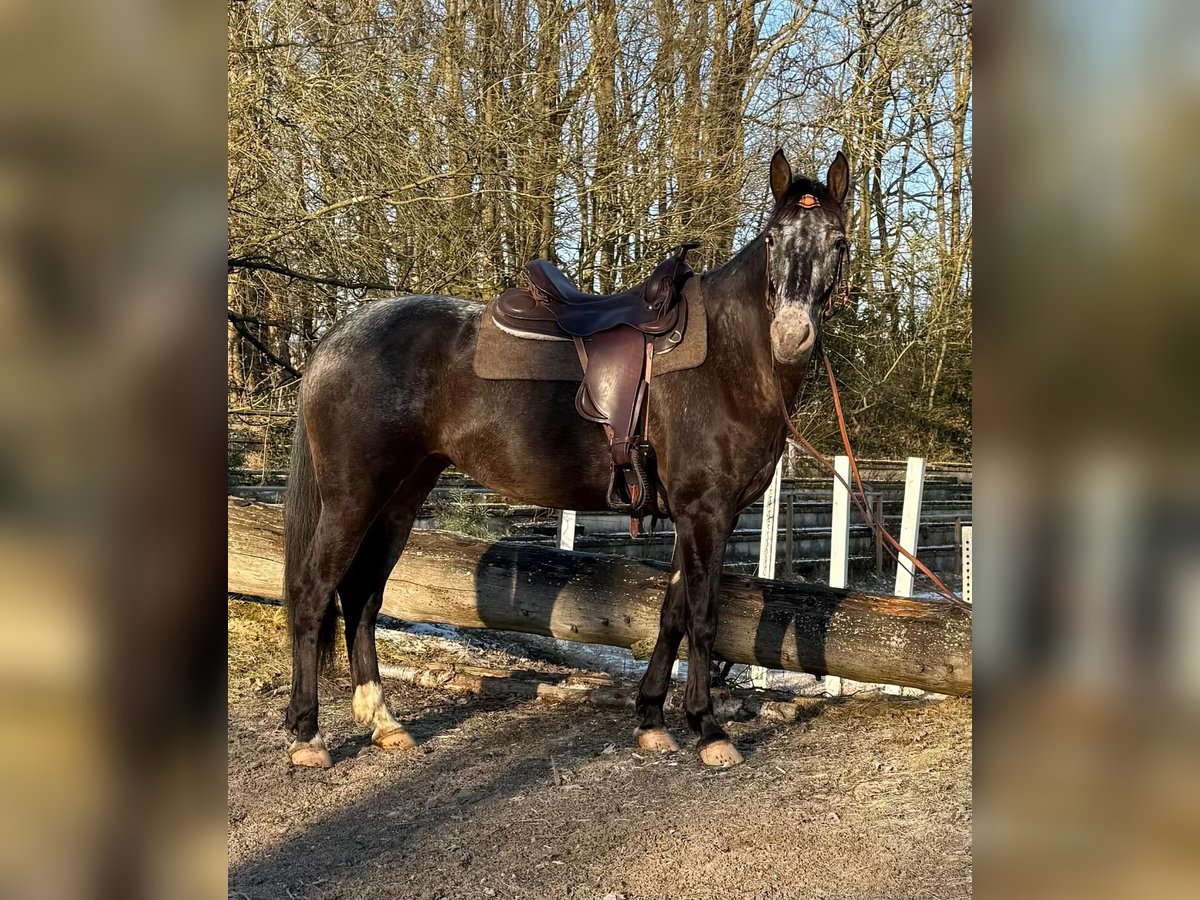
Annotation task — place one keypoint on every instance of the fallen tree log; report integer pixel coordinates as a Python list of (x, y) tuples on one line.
[(599, 690), (514, 586)]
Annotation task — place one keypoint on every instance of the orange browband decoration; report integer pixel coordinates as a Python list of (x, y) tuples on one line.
[(808, 201)]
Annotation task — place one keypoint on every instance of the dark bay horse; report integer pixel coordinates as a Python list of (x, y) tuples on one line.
[(390, 399)]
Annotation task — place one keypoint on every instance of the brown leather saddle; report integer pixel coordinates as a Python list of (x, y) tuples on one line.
[(616, 337)]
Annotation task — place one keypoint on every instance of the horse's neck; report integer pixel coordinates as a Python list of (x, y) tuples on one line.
[(735, 297), (741, 282)]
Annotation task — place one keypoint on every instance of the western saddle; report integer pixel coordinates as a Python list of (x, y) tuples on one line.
[(616, 337)]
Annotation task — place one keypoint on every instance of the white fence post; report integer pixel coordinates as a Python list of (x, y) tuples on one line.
[(910, 523), (966, 563), (566, 529), (910, 529), (839, 545), (839, 535), (768, 544)]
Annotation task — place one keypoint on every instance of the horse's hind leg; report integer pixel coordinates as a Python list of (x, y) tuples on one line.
[(350, 502), (344, 520), (361, 592)]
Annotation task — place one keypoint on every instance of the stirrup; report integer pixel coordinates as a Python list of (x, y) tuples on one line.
[(635, 482)]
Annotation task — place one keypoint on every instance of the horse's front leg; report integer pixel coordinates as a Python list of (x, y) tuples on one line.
[(703, 529), (652, 731)]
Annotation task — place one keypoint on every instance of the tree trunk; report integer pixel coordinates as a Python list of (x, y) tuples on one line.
[(609, 600), (607, 174)]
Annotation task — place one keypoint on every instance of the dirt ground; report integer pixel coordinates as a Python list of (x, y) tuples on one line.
[(868, 797)]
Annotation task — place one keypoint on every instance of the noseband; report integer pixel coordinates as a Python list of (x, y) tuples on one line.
[(808, 201)]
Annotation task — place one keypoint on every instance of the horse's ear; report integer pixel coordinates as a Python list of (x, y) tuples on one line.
[(781, 175), (838, 179)]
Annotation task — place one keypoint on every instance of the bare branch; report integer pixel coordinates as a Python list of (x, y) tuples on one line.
[(239, 324), (265, 266)]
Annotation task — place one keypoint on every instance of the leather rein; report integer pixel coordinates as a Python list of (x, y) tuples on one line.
[(857, 493)]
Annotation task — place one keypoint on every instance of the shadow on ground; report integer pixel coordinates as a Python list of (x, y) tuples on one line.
[(528, 799)]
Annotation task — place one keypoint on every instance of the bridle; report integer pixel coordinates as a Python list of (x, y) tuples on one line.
[(808, 201), (857, 493)]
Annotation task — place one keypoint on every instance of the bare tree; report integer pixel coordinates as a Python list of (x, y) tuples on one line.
[(422, 146)]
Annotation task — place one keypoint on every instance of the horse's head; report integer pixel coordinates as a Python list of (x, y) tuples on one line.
[(806, 249)]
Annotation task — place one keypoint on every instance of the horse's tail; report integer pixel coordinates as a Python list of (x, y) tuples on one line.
[(301, 511)]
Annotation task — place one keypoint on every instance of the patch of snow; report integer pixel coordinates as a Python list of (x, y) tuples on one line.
[(443, 631)]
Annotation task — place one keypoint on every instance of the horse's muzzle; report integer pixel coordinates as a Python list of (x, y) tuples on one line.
[(792, 338)]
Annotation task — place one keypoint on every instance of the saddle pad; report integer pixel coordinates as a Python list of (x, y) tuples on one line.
[(500, 356)]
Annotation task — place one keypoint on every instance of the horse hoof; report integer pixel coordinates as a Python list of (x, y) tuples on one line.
[(720, 754), (394, 737), (311, 754), (656, 739)]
